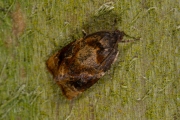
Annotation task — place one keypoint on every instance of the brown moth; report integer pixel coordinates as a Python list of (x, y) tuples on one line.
[(81, 63)]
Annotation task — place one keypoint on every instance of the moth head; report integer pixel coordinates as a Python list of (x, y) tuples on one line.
[(119, 35)]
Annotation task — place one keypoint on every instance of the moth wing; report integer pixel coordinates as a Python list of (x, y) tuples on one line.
[(108, 61), (72, 87)]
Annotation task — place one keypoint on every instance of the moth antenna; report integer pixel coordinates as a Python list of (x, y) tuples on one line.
[(131, 37)]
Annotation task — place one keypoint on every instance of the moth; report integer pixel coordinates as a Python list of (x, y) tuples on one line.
[(81, 63)]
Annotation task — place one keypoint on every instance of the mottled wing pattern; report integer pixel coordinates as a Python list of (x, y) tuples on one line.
[(82, 63)]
